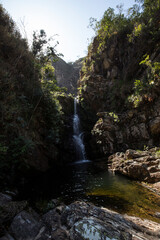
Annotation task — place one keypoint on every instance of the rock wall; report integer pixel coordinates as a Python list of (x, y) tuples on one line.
[(107, 80), (135, 128), (67, 74)]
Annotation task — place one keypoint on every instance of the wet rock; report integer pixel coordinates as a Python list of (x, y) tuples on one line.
[(79, 221), (85, 221), (92, 228)]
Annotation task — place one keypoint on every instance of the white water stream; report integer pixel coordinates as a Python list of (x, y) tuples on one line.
[(78, 137)]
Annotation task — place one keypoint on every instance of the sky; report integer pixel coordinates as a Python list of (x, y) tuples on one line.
[(66, 20)]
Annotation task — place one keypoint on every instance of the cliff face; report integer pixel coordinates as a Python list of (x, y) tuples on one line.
[(67, 74), (121, 86)]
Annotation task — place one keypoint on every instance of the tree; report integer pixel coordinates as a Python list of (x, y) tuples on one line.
[(42, 48)]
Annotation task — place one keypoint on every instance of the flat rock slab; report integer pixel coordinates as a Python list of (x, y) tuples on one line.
[(78, 221)]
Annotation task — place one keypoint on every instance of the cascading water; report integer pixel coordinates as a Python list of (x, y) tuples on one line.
[(78, 136)]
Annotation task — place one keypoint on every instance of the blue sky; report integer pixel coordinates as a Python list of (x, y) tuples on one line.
[(66, 18)]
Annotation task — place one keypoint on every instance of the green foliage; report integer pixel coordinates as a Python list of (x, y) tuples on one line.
[(146, 148), (110, 24), (30, 111), (134, 22), (149, 8), (137, 31), (153, 70), (142, 88), (42, 47), (157, 153), (19, 147), (48, 80), (114, 116)]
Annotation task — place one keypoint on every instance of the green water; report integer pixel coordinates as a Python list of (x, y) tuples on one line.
[(103, 188), (93, 183)]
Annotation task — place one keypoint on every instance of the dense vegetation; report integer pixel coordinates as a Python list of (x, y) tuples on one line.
[(139, 32), (30, 111)]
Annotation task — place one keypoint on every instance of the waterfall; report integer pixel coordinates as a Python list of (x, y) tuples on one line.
[(78, 136)]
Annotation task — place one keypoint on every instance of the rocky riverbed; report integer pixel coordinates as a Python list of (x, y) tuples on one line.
[(77, 221), (139, 165)]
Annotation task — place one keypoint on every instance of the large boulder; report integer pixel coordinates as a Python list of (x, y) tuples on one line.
[(139, 165), (24, 226)]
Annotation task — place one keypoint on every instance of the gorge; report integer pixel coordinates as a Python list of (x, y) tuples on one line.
[(82, 163)]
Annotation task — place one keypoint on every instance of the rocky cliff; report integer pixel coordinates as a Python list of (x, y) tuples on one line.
[(67, 74), (120, 83)]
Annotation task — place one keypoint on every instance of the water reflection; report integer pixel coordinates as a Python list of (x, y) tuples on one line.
[(92, 182), (108, 190)]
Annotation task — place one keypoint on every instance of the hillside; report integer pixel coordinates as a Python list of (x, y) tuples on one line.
[(67, 74), (120, 81), (32, 118)]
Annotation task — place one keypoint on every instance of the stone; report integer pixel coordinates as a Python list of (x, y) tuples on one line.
[(157, 214), (111, 51), (129, 154), (138, 171), (86, 221), (157, 185), (93, 229), (60, 234), (52, 219), (135, 132), (155, 177), (106, 63), (114, 72), (11, 209), (4, 198), (155, 125), (81, 220), (7, 237), (24, 227), (139, 165), (143, 131)]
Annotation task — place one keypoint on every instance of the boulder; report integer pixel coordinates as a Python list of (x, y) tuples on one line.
[(7, 237), (106, 63), (4, 198), (24, 226), (78, 221), (9, 210), (86, 221), (139, 165), (155, 125), (92, 228), (52, 219)]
